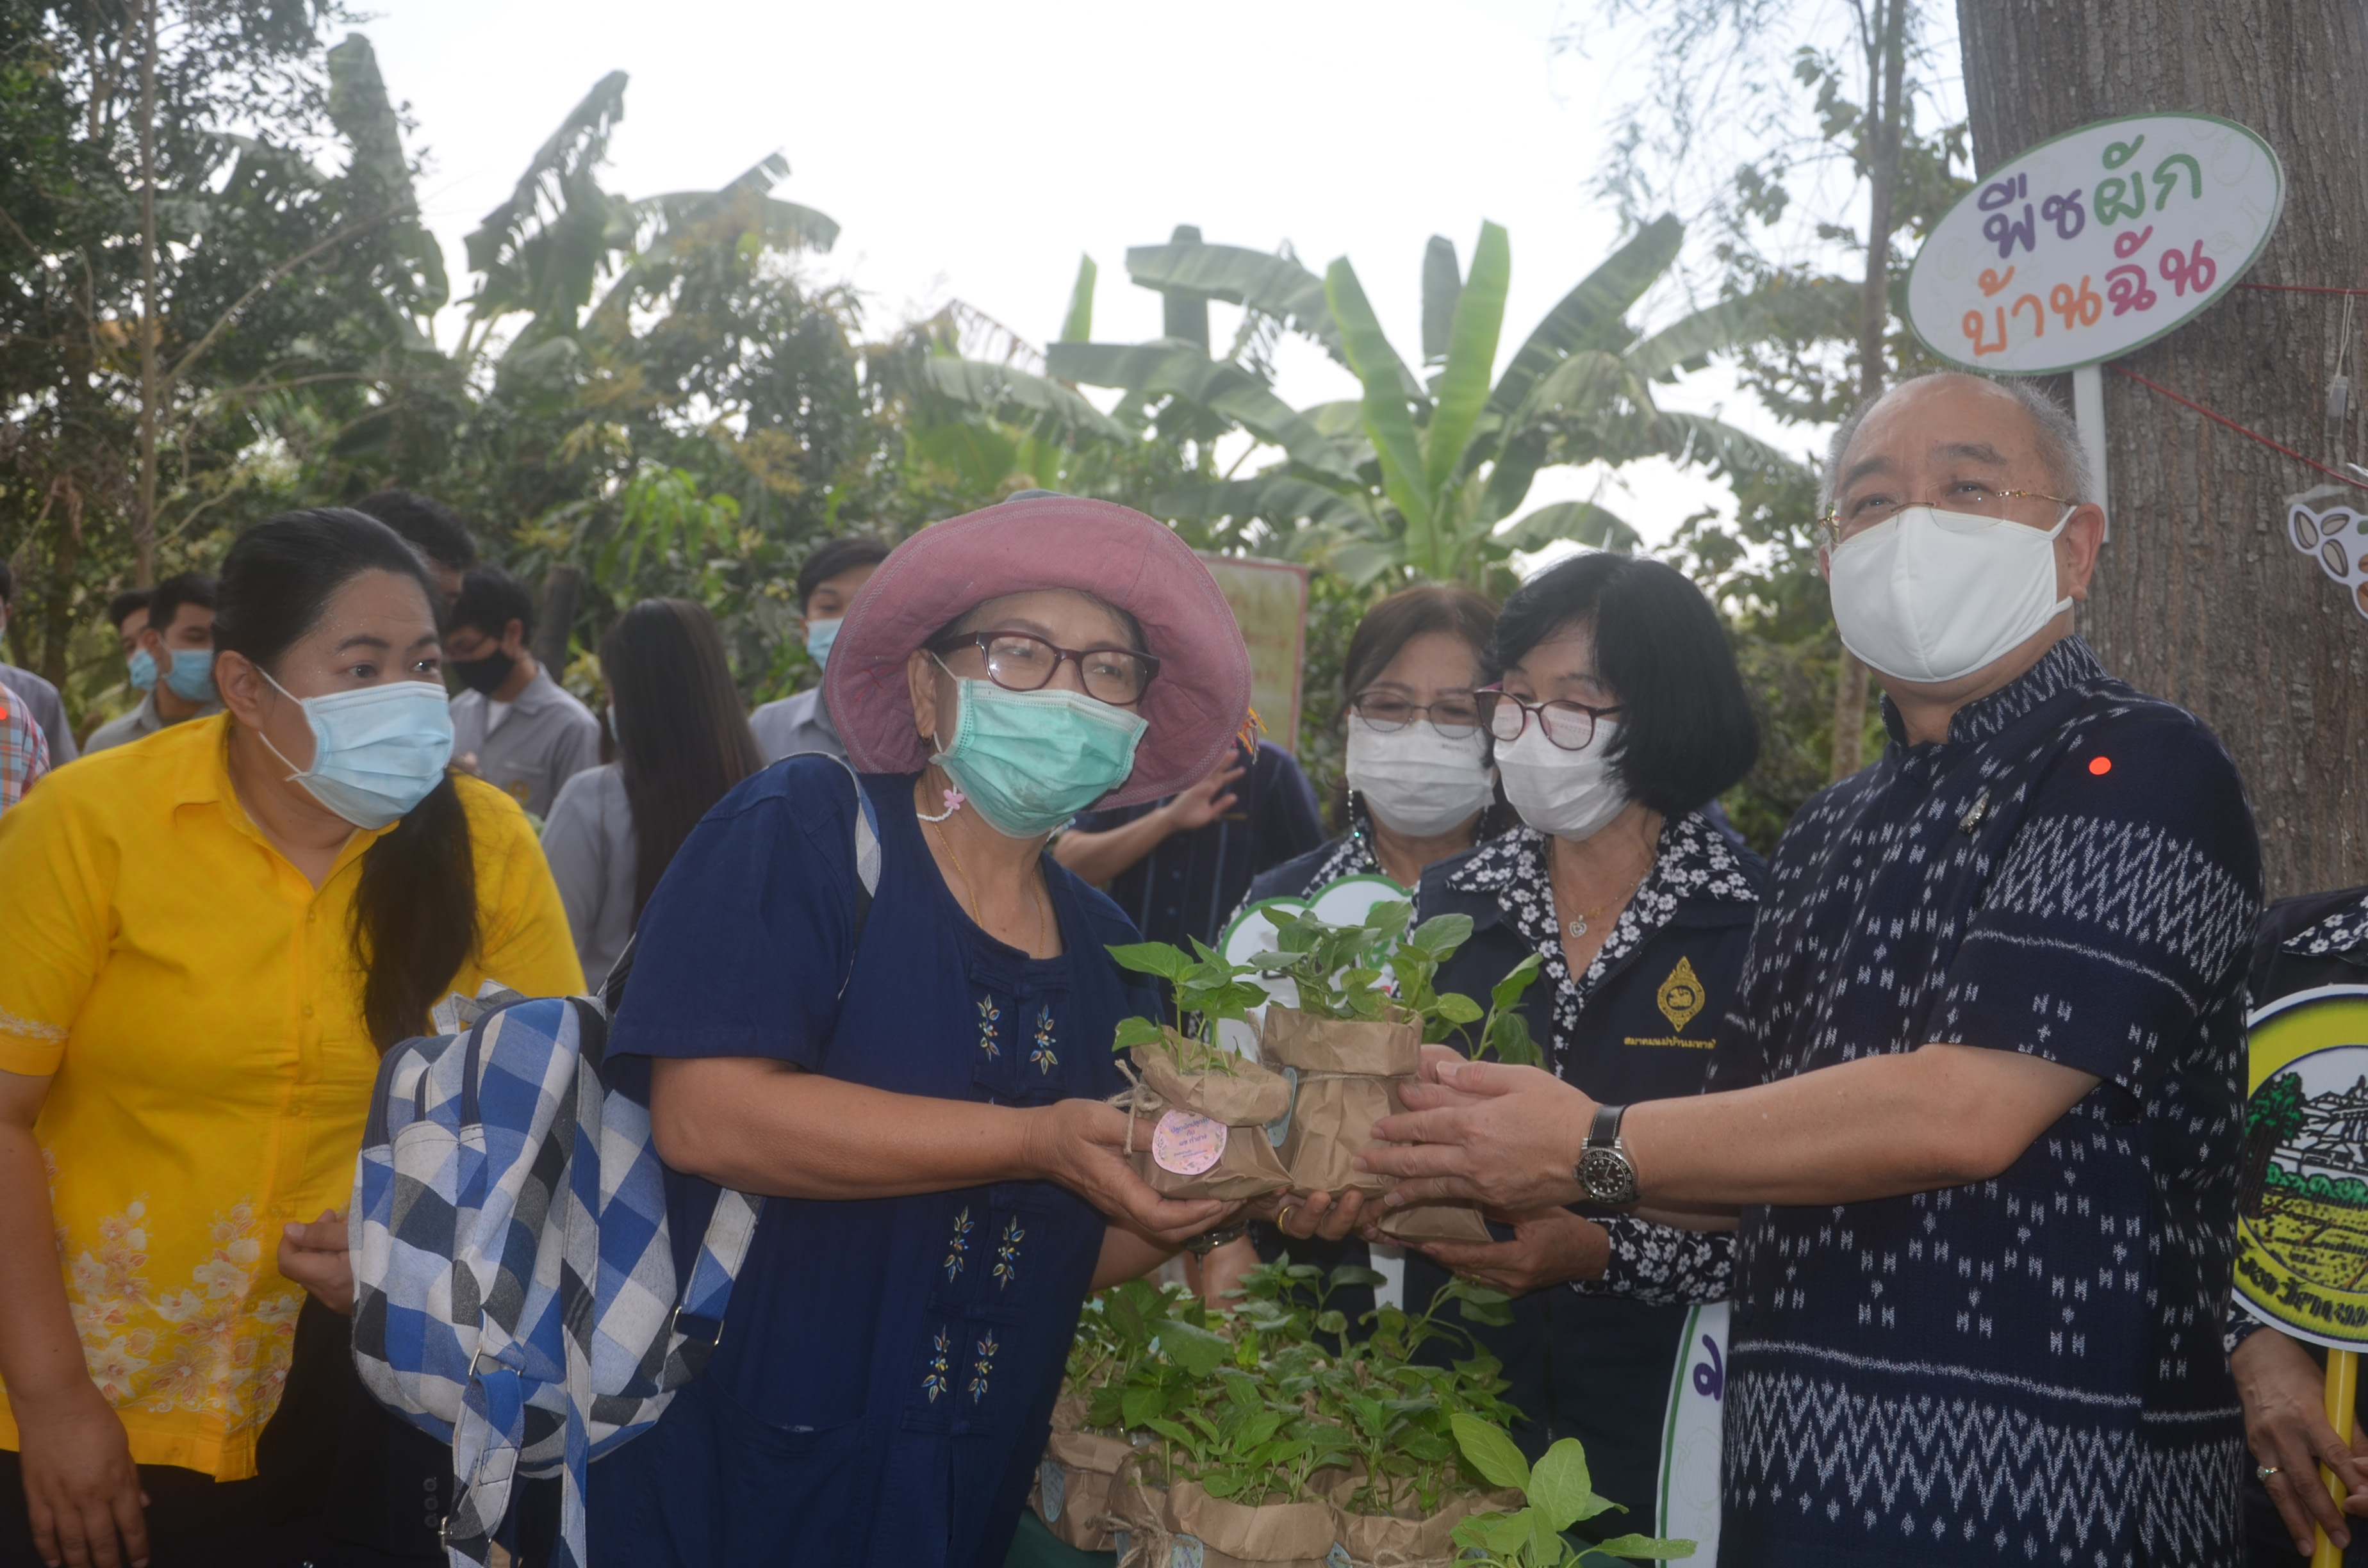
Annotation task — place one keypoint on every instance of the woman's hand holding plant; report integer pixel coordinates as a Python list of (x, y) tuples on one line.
[(1082, 1145), (1549, 1246), (1505, 1137)]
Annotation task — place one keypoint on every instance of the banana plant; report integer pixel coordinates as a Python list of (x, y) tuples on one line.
[(1441, 465)]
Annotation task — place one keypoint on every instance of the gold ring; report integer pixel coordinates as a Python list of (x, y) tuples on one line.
[(1279, 1218)]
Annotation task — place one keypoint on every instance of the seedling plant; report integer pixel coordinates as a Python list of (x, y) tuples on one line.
[(1556, 1494), (1204, 990)]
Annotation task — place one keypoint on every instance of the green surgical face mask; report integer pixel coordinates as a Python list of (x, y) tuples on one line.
[(1031, 760)]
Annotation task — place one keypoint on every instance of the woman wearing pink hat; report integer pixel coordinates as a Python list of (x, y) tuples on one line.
[(917, 1083)]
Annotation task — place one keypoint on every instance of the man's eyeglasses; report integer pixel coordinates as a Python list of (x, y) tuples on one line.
[(1846, 521), (1016, 661), (1570, 725), (1455, 716)]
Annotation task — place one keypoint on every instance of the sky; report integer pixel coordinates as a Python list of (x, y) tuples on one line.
[(974, 152)]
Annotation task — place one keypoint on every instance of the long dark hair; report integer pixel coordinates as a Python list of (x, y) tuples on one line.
[(415, 908), (681, 736)]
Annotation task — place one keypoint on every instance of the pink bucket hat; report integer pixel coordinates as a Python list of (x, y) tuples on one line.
[(1195, 707)]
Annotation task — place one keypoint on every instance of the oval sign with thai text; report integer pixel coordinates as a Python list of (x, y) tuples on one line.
[(2301, 1195), (2090, 245)]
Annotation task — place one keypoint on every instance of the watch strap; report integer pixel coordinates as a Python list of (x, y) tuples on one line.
[(1603, 1132)]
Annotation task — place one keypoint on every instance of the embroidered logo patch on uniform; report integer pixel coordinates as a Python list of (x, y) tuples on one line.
[(1681, 995)]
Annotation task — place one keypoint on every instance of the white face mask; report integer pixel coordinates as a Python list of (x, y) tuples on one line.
[(1934, 595), (1570, 794), (1418, 781)]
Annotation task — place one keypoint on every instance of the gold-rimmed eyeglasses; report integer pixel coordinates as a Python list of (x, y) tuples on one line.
[(1848, 519)]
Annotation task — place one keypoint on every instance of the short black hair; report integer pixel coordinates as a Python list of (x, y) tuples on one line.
[(833, 556), (1686, 731), (490, 599), (120, 607), (165, 599), (428, 527)]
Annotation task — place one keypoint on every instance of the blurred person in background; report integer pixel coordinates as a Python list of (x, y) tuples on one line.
[(433, 529), (1179, 867), (681, 744), (1420, 788), (36, 698), (827, 584), (211, 933), (128, 613), (174, 663), (24, 749), (514, 727)]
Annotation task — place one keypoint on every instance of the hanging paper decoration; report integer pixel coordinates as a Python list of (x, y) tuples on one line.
[(2338, 538)]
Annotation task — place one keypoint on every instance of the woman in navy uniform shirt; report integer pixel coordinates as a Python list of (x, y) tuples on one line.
[(917, 1084), (1619, 711)]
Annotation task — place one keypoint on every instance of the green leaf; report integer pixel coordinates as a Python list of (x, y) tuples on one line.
[(1492, 1453), (1582, 521), (1471, 359), (1272, 285), (1387, 421), (1350, 1274), (1139, 1405), (1001, 390), (1516, 980), (1133, 1032), (1591, 315), (1279, 499), (1559, 1484), (1442, 281), (1152, 957), (1197, 1351), (1457, 1008), (1441, 933), (1175, 369), (1077, 326), (1698, 438), (1822, 308), (1645, 1546)]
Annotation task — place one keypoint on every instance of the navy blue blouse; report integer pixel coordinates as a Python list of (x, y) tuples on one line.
[(885, 1377), (2027, 1369)]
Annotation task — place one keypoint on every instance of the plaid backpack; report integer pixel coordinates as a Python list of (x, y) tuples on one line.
[(515, 1290)]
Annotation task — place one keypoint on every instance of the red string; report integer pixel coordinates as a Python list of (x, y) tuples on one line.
[(2256, 435), (2301, 289)]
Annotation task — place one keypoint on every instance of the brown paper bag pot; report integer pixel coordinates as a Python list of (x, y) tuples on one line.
[(1436, 1222), (1138, 1510), (1349, 1070), (1244, 1100), (1277, 1535), (1383, 1541), (1074, 1499)]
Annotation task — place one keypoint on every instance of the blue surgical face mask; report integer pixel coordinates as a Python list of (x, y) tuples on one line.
[(191, 679), (143, 670), (377, 750), (820, 635), (1031, 760)]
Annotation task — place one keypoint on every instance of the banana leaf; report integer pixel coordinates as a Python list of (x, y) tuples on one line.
[(1591, 315), (1471, 358), (998, 389), (1442, 282), (1387, 420), (1581, 521), (1182, 371), (1824, 307)]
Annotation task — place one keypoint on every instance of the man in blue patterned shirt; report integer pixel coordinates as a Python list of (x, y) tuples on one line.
[(1981, 1139)]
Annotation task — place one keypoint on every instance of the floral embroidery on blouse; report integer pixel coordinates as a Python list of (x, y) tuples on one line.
[(989, 1015), (1695, 861), (1043, 1056), (47, 1034), (213, 1345), (2339, 932), (957, 1246), (987, 1348), (939, 1379), (1007, 1253)]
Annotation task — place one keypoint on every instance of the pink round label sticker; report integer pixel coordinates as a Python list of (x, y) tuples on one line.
[(1186, 1144)]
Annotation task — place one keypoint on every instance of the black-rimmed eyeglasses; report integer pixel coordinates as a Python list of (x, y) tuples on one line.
[(1017, 661), (1570, 725)]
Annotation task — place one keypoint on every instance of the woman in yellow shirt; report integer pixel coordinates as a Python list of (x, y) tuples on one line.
[(210, 936)]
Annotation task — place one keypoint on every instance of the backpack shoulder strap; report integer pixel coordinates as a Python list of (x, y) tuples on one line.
[(867, 883)]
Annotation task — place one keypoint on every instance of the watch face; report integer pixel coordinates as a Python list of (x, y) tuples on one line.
[(1607, 1176)]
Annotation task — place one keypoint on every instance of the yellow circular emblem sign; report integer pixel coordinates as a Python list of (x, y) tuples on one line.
[(2302, 1199)]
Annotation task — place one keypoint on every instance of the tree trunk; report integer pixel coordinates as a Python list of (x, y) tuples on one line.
[(144, 519), (2199, 598)]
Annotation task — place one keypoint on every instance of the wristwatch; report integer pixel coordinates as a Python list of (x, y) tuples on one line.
[(1604, 1172), (1208, 1241)]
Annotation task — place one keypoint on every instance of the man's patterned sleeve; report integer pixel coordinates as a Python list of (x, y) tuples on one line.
[(1663, 1266), (2123, 910)]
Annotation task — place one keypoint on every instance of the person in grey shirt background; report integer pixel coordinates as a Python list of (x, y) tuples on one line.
[(514, 727), (826, 586), (681, 746), (41, 699), (174, 663)]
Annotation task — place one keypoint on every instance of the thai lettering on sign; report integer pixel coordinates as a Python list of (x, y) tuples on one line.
[(2087, 245)]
